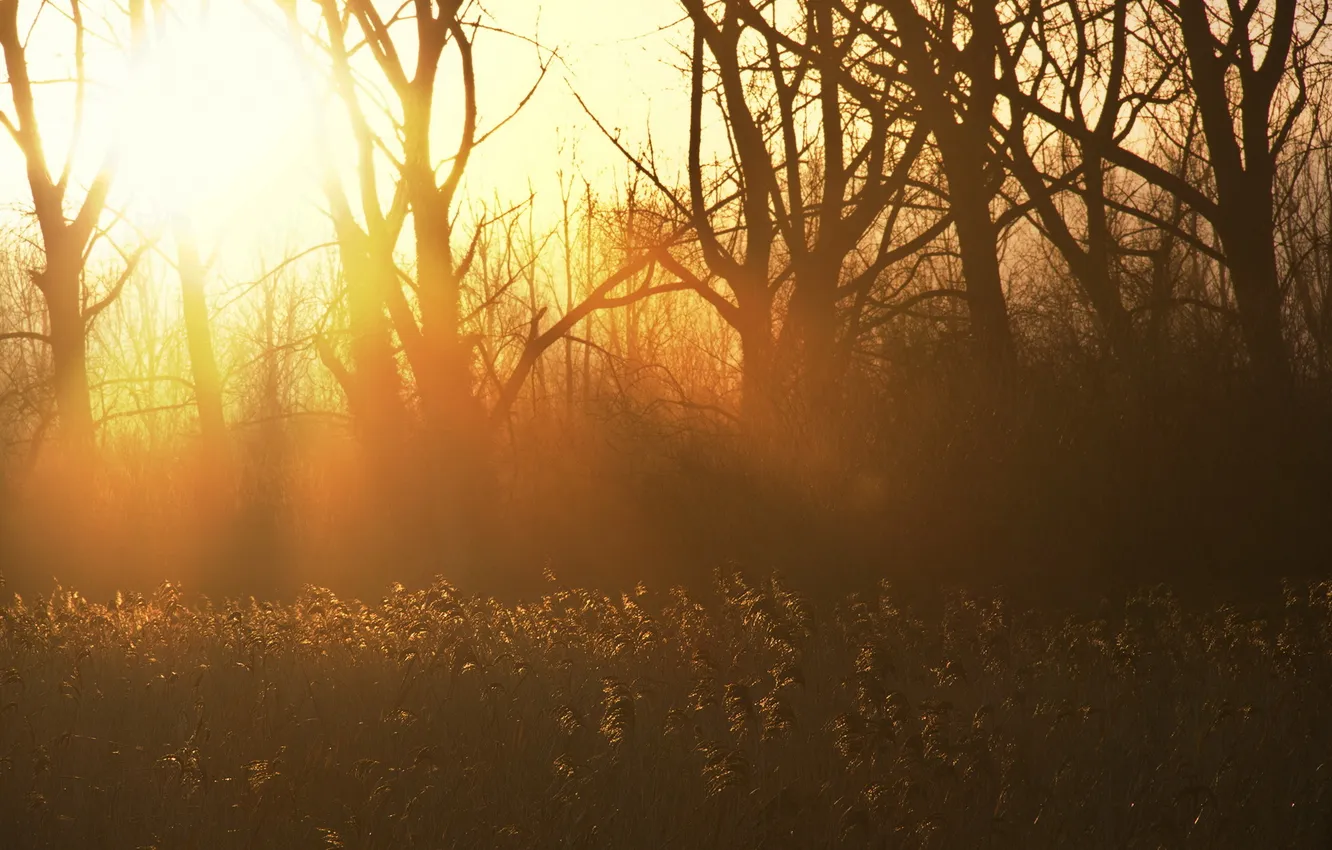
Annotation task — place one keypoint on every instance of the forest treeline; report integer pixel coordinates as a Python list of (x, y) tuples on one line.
[(934, 284)]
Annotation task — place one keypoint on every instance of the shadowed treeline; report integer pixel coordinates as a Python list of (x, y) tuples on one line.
[(1038, 294)]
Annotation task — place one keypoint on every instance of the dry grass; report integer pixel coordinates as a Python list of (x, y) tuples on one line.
[(434, 719)]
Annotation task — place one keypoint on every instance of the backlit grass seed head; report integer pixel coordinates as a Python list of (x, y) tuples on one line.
[(724, 769), (787, 674), (703, 694), (617, 719), (849, 736), (739, 709), (565, 767), (778, 716), (568, 719)]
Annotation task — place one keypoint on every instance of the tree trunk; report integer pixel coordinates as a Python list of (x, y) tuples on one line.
[(375, 398), (1161, 292), (960, 119), (1244, 161), (199, 340), (69, 354), (978, 239), (1254, 275), (758, 392), (808, 342)]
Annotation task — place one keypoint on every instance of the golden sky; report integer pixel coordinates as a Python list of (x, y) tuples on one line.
[(216, 125)]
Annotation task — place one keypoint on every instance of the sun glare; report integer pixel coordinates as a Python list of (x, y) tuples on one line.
[(215, 117)]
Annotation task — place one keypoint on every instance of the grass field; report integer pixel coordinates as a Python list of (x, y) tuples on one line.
[(739, 717)]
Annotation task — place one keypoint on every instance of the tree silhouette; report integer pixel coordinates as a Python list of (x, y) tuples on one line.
[(65, 241)]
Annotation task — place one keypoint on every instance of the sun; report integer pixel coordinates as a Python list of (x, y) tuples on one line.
[(214, 117)]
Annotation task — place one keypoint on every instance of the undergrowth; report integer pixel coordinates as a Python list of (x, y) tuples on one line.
[(736, 718)]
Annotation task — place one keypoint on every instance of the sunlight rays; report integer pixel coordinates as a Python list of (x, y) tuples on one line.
[(215, 117)]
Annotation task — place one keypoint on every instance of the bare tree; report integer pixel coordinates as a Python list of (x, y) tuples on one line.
[(372, 384), (801, 213), (65, 241), (1249, 67), (451, 360), (1250, 59), (1084, 63), (947, 53)]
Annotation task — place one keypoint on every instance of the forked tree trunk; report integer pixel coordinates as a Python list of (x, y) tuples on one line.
[(63, 241), (1243, 156), (960, 120)]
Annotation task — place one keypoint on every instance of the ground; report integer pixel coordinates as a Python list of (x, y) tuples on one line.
[(737, 715)]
